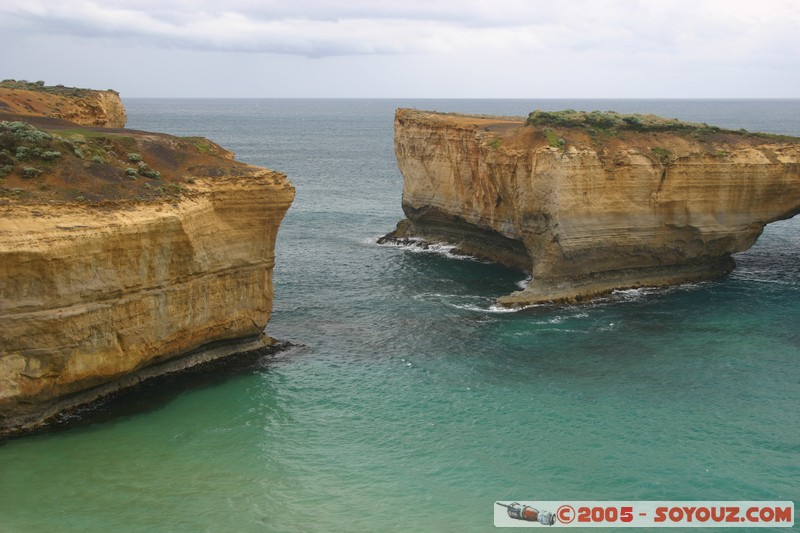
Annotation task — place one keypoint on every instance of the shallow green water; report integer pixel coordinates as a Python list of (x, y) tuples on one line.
[(414, 404)]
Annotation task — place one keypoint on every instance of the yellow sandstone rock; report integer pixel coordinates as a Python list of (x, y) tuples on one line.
[(81, 106), (96, 296), (588, 211)]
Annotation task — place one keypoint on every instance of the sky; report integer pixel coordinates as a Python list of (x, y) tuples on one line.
[(408, 48)]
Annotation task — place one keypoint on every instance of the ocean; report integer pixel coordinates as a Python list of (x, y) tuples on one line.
[(412, 403)]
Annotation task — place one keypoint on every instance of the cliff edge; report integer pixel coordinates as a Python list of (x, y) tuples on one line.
[(592, 202), (124, 255), (82, 106)]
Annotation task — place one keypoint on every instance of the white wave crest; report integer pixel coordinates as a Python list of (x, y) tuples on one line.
[(419, 245), (494, 308)]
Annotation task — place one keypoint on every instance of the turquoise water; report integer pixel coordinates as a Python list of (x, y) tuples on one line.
[(414, 404)]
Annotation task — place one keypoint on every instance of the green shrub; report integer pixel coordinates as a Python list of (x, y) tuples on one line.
[(610, 122), (569, 117), (30, 172), (134, 158), (554, 140), (131, 173), (148, 172), (15, 133), (633, 122), (662, 154), (98, 159), (602, 120), (50, 155)]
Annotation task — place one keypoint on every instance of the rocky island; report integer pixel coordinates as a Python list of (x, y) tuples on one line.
[(123, 254), (592, 202)]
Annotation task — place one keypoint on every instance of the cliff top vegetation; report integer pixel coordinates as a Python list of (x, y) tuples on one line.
[(611, 122), (61, 162), (53, 153), (39, 86)]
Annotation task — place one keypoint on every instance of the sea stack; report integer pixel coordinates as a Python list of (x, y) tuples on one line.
[(592, 202), (123, 255)]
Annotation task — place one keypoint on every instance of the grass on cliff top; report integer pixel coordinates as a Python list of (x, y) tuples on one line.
[(75, 165), (39, 86), (611, 122), (203, 145)]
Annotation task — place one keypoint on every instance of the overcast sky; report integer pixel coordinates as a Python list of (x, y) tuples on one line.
[(408, 48)]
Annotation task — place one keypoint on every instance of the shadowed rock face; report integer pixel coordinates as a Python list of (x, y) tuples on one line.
[(587, 213), (98, 294)]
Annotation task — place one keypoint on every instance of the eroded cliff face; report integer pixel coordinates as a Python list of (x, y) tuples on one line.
[(587, 214), (91, 294), (145, 273), (81, 106)]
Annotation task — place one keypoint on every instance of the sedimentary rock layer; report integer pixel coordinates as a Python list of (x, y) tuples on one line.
[(587, 212), (89, 294), (123, 254), (81, 106)]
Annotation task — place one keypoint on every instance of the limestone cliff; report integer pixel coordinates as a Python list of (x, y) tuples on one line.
[(151, 269), (82, 106), (591, 207)]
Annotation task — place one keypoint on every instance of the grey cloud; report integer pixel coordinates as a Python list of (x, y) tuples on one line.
[(316, 28)]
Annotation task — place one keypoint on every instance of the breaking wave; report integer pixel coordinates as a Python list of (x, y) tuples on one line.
[(419, 245)]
